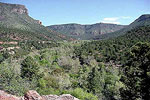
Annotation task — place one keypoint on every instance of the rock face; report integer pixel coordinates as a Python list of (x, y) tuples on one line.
[(33, 95), (14, 8), (21, 9)]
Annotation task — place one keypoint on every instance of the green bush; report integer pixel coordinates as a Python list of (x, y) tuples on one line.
[(81, 94), (29, 68), (47, 91), (1, 58), (11, 82)]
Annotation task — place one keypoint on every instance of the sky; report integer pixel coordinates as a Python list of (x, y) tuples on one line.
[(52, 12)]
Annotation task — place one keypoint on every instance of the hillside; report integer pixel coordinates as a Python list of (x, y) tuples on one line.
[(85, 31), (143, 20), (90, 68), (14, 16)]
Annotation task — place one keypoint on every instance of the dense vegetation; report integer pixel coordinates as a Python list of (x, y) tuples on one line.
[(89, 70), (136, 73)]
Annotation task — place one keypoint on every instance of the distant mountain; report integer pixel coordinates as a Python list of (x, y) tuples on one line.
[(143, 20), (85, 31), (14, 16)]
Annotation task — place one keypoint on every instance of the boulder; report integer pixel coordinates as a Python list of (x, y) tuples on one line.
[(5, 96), (33, 95), (50, 97), (66, 97), (61, 97)]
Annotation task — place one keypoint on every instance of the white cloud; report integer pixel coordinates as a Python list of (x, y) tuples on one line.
[(111, 22), (114, 20), (111, 19)]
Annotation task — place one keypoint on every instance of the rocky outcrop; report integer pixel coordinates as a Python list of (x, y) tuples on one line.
[(5, 96), (39, 22), (33, 95), (14, 8), (20, 10)]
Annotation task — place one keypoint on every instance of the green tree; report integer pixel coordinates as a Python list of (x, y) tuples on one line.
[(96, 80), (29, 68), (1, 58), (136, 73), (104, 82)]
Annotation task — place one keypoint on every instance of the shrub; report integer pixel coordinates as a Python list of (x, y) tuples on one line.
[(82, 95), (11, 82), (29, 68)]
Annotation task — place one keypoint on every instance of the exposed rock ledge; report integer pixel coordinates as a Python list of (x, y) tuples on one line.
[(33, 95)]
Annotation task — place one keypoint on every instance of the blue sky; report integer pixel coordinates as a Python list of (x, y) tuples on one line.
[(52, 12)]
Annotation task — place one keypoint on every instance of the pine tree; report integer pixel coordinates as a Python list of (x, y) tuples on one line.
[(137, 73)]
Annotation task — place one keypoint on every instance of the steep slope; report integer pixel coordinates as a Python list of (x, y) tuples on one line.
[(85, 31), (14, 16), (143, 20)]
